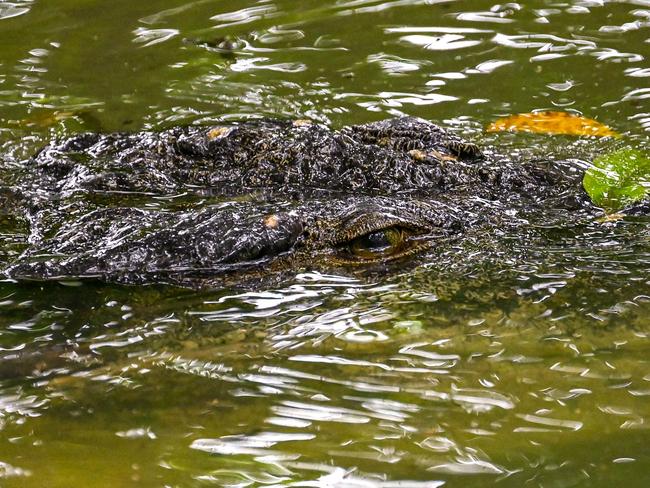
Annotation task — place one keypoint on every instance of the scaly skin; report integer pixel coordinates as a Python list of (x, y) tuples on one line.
[(269, 197)]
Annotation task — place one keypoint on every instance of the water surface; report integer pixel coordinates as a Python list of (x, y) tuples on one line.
[(527, 372)]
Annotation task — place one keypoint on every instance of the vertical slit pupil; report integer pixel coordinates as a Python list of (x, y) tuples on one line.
[(384, 241), (376, 240)]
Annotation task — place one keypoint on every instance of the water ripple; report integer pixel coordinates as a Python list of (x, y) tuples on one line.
[(498, 370), (9, 10)]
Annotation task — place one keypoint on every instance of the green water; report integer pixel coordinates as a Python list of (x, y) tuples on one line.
[(530, 372)]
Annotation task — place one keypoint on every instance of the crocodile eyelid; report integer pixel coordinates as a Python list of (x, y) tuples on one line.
[(368, 223)]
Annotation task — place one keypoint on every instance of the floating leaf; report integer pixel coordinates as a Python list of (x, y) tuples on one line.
[(552, 123), (618, 179), (46, 118)]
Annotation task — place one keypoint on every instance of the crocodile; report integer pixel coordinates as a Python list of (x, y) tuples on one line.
[(229, 203)]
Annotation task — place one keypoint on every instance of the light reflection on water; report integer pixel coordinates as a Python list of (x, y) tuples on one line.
[(532, 371), (498, 394)]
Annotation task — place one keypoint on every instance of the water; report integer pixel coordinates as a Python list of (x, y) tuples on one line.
[(531, 371)]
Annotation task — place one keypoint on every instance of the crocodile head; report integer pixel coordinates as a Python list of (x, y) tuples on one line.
[(204, 205)]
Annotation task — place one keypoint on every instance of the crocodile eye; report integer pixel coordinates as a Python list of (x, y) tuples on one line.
[(383, 243)]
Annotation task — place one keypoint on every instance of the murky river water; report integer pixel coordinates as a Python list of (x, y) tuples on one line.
[(532, 373)]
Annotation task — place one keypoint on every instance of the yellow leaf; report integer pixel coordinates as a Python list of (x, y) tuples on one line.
[(552, 123)]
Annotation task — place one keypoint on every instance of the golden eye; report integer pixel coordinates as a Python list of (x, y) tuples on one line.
[(382, 243)]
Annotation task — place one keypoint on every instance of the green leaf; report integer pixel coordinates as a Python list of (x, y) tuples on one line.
[(618, 179)]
